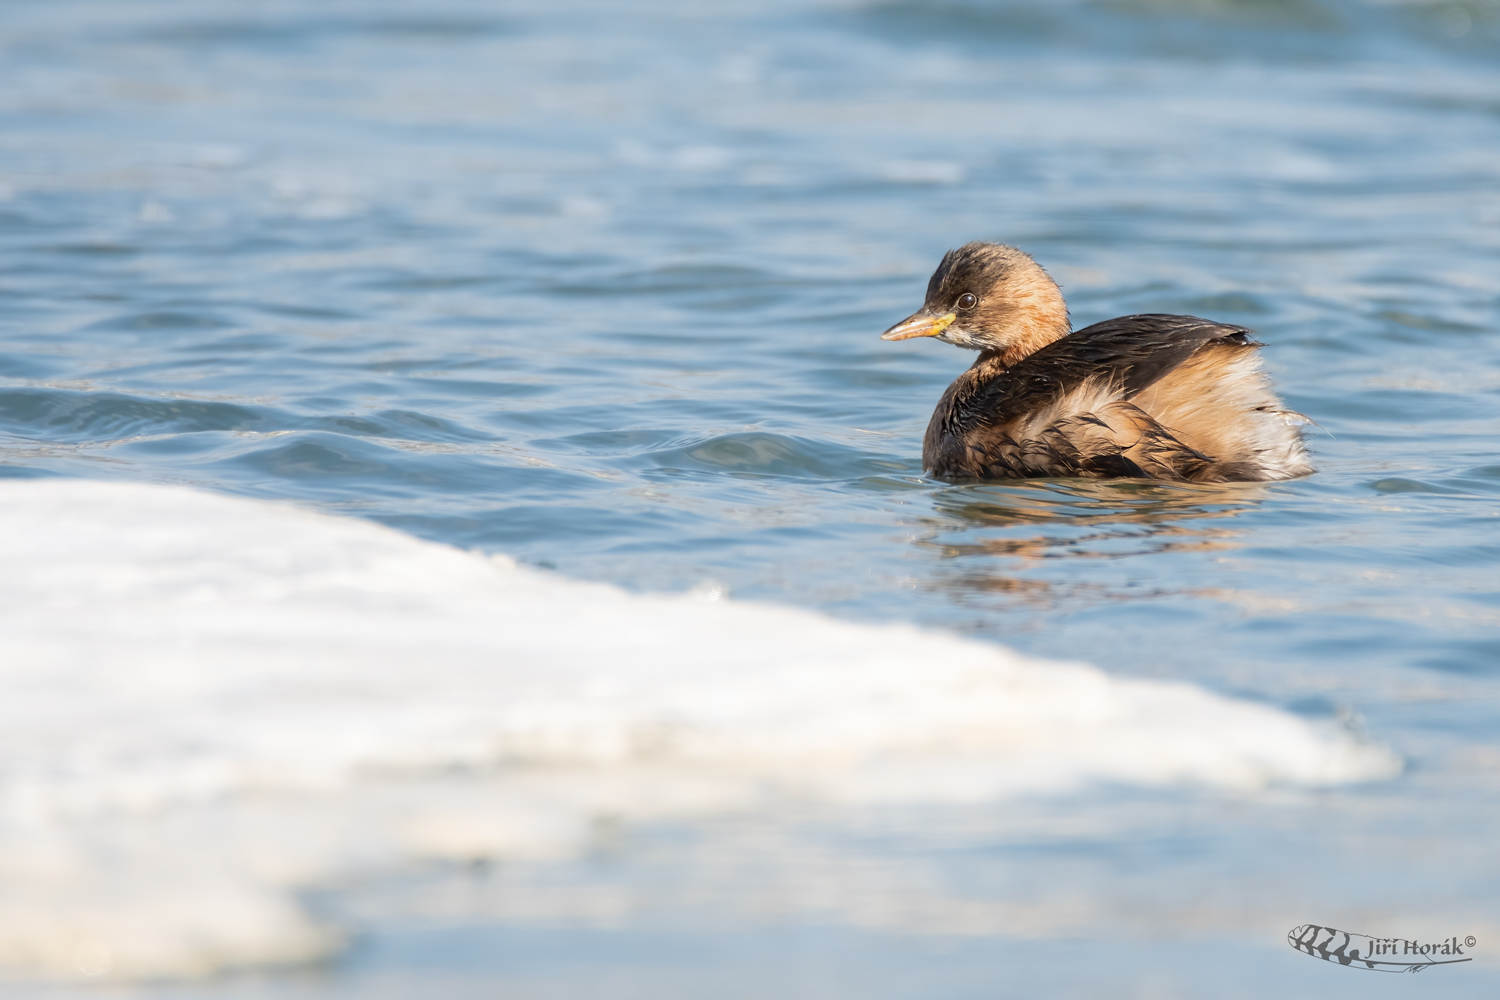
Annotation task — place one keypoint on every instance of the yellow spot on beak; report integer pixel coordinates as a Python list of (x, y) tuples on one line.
[(920, 324)]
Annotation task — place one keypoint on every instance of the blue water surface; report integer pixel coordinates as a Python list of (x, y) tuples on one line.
[(600, 286)]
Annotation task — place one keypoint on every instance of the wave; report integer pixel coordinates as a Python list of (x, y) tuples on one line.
[(214, 703), (759, 454)]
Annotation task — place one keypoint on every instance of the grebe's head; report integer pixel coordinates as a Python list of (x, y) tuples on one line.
[(989, 297)]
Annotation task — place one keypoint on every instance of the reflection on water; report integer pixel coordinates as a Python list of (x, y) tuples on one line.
[(988, 543), (1086, 501)]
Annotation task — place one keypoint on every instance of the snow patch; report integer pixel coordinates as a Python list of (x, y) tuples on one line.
[(212, 703)]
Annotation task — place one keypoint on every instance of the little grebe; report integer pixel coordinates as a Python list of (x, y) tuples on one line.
[(1150, 396)]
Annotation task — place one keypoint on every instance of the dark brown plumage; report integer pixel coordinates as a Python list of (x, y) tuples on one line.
[(1149, 396)]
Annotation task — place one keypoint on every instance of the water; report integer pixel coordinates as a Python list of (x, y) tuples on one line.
[(600, 287)]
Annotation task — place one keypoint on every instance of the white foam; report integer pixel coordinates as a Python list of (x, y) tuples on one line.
[(211, 703)]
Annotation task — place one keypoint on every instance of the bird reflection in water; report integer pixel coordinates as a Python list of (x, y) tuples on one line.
[(998, 540)]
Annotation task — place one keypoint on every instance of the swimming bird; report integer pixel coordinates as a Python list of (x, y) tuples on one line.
[(1150, 396)]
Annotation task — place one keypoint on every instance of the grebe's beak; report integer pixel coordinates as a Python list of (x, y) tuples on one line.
[(920, 324)]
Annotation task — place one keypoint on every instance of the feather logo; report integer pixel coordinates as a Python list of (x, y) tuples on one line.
[(1378, 954)]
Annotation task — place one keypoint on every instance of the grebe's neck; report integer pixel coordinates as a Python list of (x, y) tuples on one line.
[(1038, 317)]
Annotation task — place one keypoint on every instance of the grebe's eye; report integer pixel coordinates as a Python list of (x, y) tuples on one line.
[(968, 300)]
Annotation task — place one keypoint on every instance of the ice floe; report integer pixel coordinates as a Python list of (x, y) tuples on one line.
[(212, 703)]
